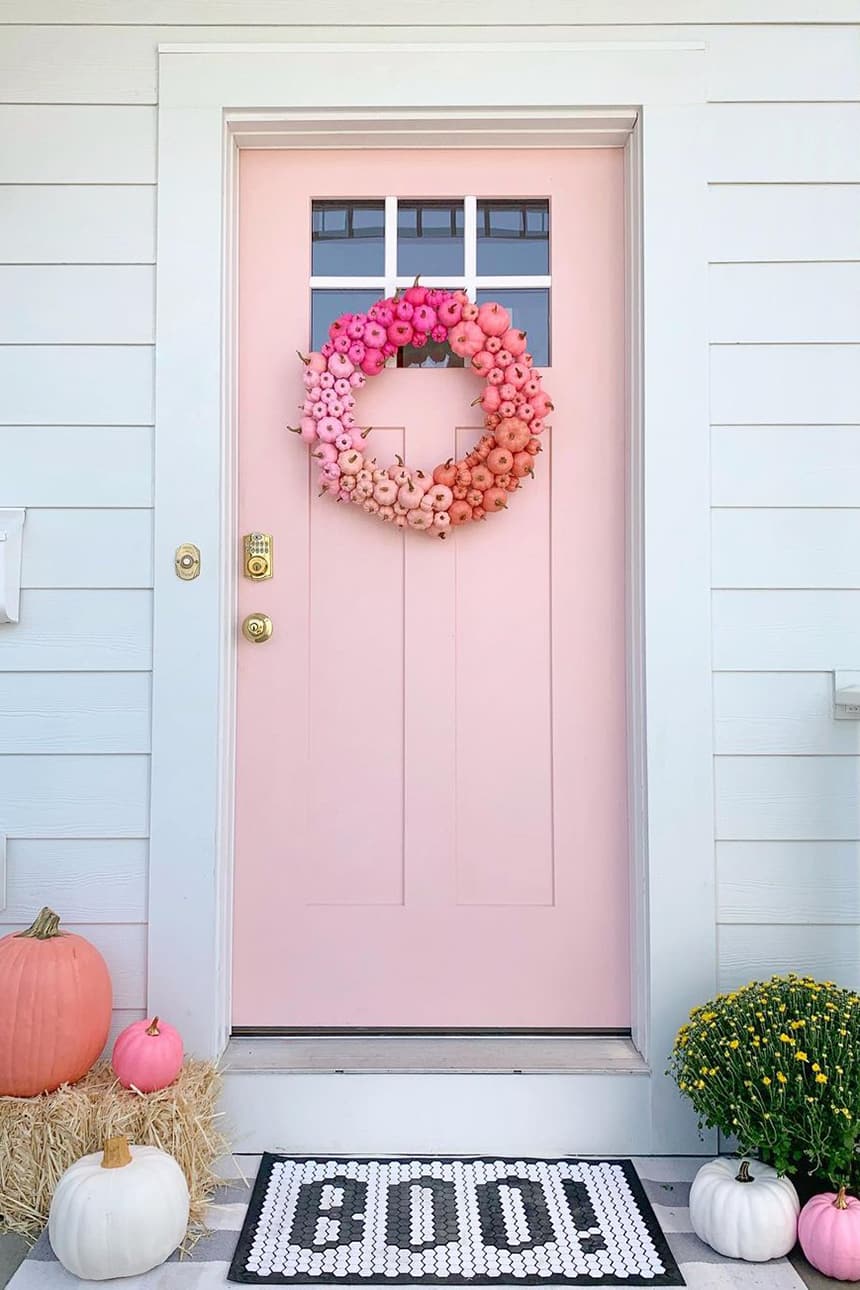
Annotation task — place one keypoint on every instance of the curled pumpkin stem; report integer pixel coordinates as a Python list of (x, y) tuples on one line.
[(743, 1175), (304, 357)]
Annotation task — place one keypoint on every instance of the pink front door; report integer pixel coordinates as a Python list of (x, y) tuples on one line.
[(431, 798)]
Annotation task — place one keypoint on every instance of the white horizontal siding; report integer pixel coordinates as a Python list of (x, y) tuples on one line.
[(68, 712), (782, 547), (80, 631), (786, 713), (794, 466), (784, 143), (787, 798), (76, 384), (785, 302), (451, 13), (53, 144), (89, 880), (116, 64), (753, 953), (88, 466), (811, 631), (74, 796), (65, 224), (87, 548), (783, 222), (788, 882), (748, 64), (779, 384), (89, 304)]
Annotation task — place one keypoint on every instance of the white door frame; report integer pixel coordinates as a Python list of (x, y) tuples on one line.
[(215, 99)]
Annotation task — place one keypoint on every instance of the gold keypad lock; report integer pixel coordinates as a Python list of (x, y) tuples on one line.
[(258, 556)]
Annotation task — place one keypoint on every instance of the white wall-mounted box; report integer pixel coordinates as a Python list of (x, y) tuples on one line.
[(11, 542)]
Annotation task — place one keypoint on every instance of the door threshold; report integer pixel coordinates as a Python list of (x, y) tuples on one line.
[(435, 1054)]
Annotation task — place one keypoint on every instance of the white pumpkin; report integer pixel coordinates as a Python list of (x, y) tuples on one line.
[(118, 1213), (744, 1210)]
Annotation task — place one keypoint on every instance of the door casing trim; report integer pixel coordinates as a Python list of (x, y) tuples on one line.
[(201, 130)]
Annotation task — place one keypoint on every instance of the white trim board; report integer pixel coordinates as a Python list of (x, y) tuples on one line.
[(216, 101)]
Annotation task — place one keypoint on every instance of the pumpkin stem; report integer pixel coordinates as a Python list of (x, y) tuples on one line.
[(152, 1028), (304, 357), (743, 1174), (45, 926), (417, 276), (840, 1201), (116, 1154)]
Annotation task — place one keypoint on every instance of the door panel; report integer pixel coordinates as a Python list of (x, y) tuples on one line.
[(431, 795)]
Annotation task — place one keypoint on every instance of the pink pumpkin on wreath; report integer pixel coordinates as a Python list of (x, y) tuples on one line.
[(147, 1055)]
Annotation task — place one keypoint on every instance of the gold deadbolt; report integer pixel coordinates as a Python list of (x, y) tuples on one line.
[(187, 561), (258, 555), (257, 628)]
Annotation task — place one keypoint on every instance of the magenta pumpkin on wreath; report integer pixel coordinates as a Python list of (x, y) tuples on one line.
[(829, 1234), (147, 1055)]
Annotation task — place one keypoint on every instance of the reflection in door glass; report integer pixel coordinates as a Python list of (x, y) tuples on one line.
[(513, 237), (326, 305), (429, 237), (529, 310), (348, 238)]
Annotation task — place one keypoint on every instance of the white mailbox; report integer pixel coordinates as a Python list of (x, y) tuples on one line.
[(11, 542)]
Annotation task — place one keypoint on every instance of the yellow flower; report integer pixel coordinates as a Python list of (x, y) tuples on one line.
[(815, 1066), (700, 1083), (767, 1080), (787, 1039), (821, 1079), (734, 1043), (801, 1056), (712, 1071), (708, 1016), (782, 1078), (796, 1025)]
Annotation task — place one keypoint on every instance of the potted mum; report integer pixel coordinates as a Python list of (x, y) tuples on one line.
[(776, 1066)]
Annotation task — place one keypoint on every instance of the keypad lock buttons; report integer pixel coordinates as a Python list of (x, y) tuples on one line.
[(257, 556)]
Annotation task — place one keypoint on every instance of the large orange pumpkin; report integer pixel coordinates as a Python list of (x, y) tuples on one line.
[(55, 1005)]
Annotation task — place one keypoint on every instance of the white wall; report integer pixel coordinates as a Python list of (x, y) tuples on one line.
[(78, 89)]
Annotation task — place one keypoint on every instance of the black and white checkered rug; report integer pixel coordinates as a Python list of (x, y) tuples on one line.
[(451, 1222)]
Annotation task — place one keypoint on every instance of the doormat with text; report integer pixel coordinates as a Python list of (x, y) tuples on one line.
[(451, 1221)]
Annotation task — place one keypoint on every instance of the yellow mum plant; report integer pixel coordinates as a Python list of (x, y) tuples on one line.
[(776, 1065)]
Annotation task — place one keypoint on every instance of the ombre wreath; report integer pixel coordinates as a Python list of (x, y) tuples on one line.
[(456, 492)]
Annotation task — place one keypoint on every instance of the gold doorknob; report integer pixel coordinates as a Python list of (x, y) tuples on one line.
[(257, 628)]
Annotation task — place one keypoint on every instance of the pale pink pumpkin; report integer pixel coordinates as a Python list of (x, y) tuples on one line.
[(829, 1234), (147, 1055)]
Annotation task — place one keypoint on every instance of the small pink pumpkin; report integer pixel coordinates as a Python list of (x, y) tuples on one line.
[(147, 1055), (829, 1234)]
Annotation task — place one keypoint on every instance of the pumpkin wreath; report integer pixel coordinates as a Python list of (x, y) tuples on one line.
[(513, 401)]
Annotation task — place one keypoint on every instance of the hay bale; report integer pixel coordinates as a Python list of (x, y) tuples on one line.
[(41, 1136)]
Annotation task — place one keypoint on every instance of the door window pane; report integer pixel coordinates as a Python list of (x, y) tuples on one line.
[(529, 310), (513, 237), (327, 305), (434, 354), (348, 238), (429, 238)]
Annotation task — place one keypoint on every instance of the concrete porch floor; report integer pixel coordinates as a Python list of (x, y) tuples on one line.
[(13, 1249)]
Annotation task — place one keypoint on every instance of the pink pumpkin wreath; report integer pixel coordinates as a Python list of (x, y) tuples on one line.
[(456, 492)]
